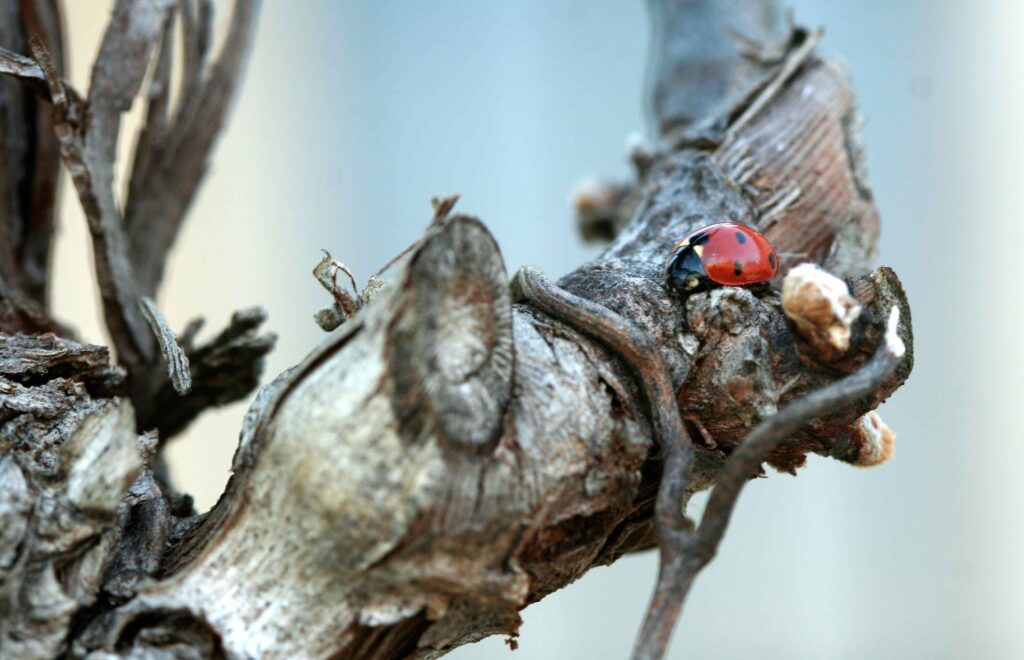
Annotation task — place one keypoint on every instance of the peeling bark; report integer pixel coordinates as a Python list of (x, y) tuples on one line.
[(457, 448), (67, 458)]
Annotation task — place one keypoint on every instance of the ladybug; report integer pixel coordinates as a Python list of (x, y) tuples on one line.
[(723, 254)]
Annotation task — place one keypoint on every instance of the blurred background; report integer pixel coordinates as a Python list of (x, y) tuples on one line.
[(354, 114)]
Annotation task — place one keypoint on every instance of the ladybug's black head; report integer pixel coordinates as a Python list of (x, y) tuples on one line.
[(685, 272)]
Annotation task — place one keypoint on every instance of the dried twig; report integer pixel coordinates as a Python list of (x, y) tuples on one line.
[(170, 156), (41, 19), (224, 369), (89, 157), (177, 361)]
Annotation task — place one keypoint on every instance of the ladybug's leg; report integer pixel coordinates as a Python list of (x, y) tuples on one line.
[(761, 289)]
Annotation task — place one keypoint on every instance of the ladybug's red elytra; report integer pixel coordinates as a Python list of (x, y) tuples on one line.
[(723, 254)]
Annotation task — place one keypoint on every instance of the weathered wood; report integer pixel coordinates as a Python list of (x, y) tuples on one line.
[(67, 456), (420, 543), (458, 448)]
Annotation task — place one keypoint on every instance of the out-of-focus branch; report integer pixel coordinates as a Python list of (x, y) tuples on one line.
[(169, 163), (172, 152), (223, 370), (42, 19), (706, 56), (89, 149), (28, 168)]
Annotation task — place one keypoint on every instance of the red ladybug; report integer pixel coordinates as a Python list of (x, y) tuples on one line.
[(723, 254)]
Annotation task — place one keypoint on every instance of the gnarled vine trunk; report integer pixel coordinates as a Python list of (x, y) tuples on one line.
[(451, 453)]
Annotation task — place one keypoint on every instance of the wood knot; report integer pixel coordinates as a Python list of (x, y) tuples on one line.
[(450, 349)]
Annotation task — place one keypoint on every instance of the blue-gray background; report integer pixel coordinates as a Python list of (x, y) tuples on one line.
[(355, 113)]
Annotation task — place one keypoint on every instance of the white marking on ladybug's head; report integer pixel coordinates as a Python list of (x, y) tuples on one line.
[(699, 249), (692, 282)]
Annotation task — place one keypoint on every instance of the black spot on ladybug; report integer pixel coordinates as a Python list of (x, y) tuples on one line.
[(771, 259), (737, 267), (741, 238)]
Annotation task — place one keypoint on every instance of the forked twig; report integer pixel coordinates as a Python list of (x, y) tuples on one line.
[(774, 431), (693, 551), (683, 552)]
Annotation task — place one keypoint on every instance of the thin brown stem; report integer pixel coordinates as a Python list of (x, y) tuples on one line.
[(774, 431)]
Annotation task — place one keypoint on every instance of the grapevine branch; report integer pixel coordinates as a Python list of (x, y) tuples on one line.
[(459, 446)]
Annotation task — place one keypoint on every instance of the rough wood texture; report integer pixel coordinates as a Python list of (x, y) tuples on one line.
[(170, 155), (67, 456), (457, 448)]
